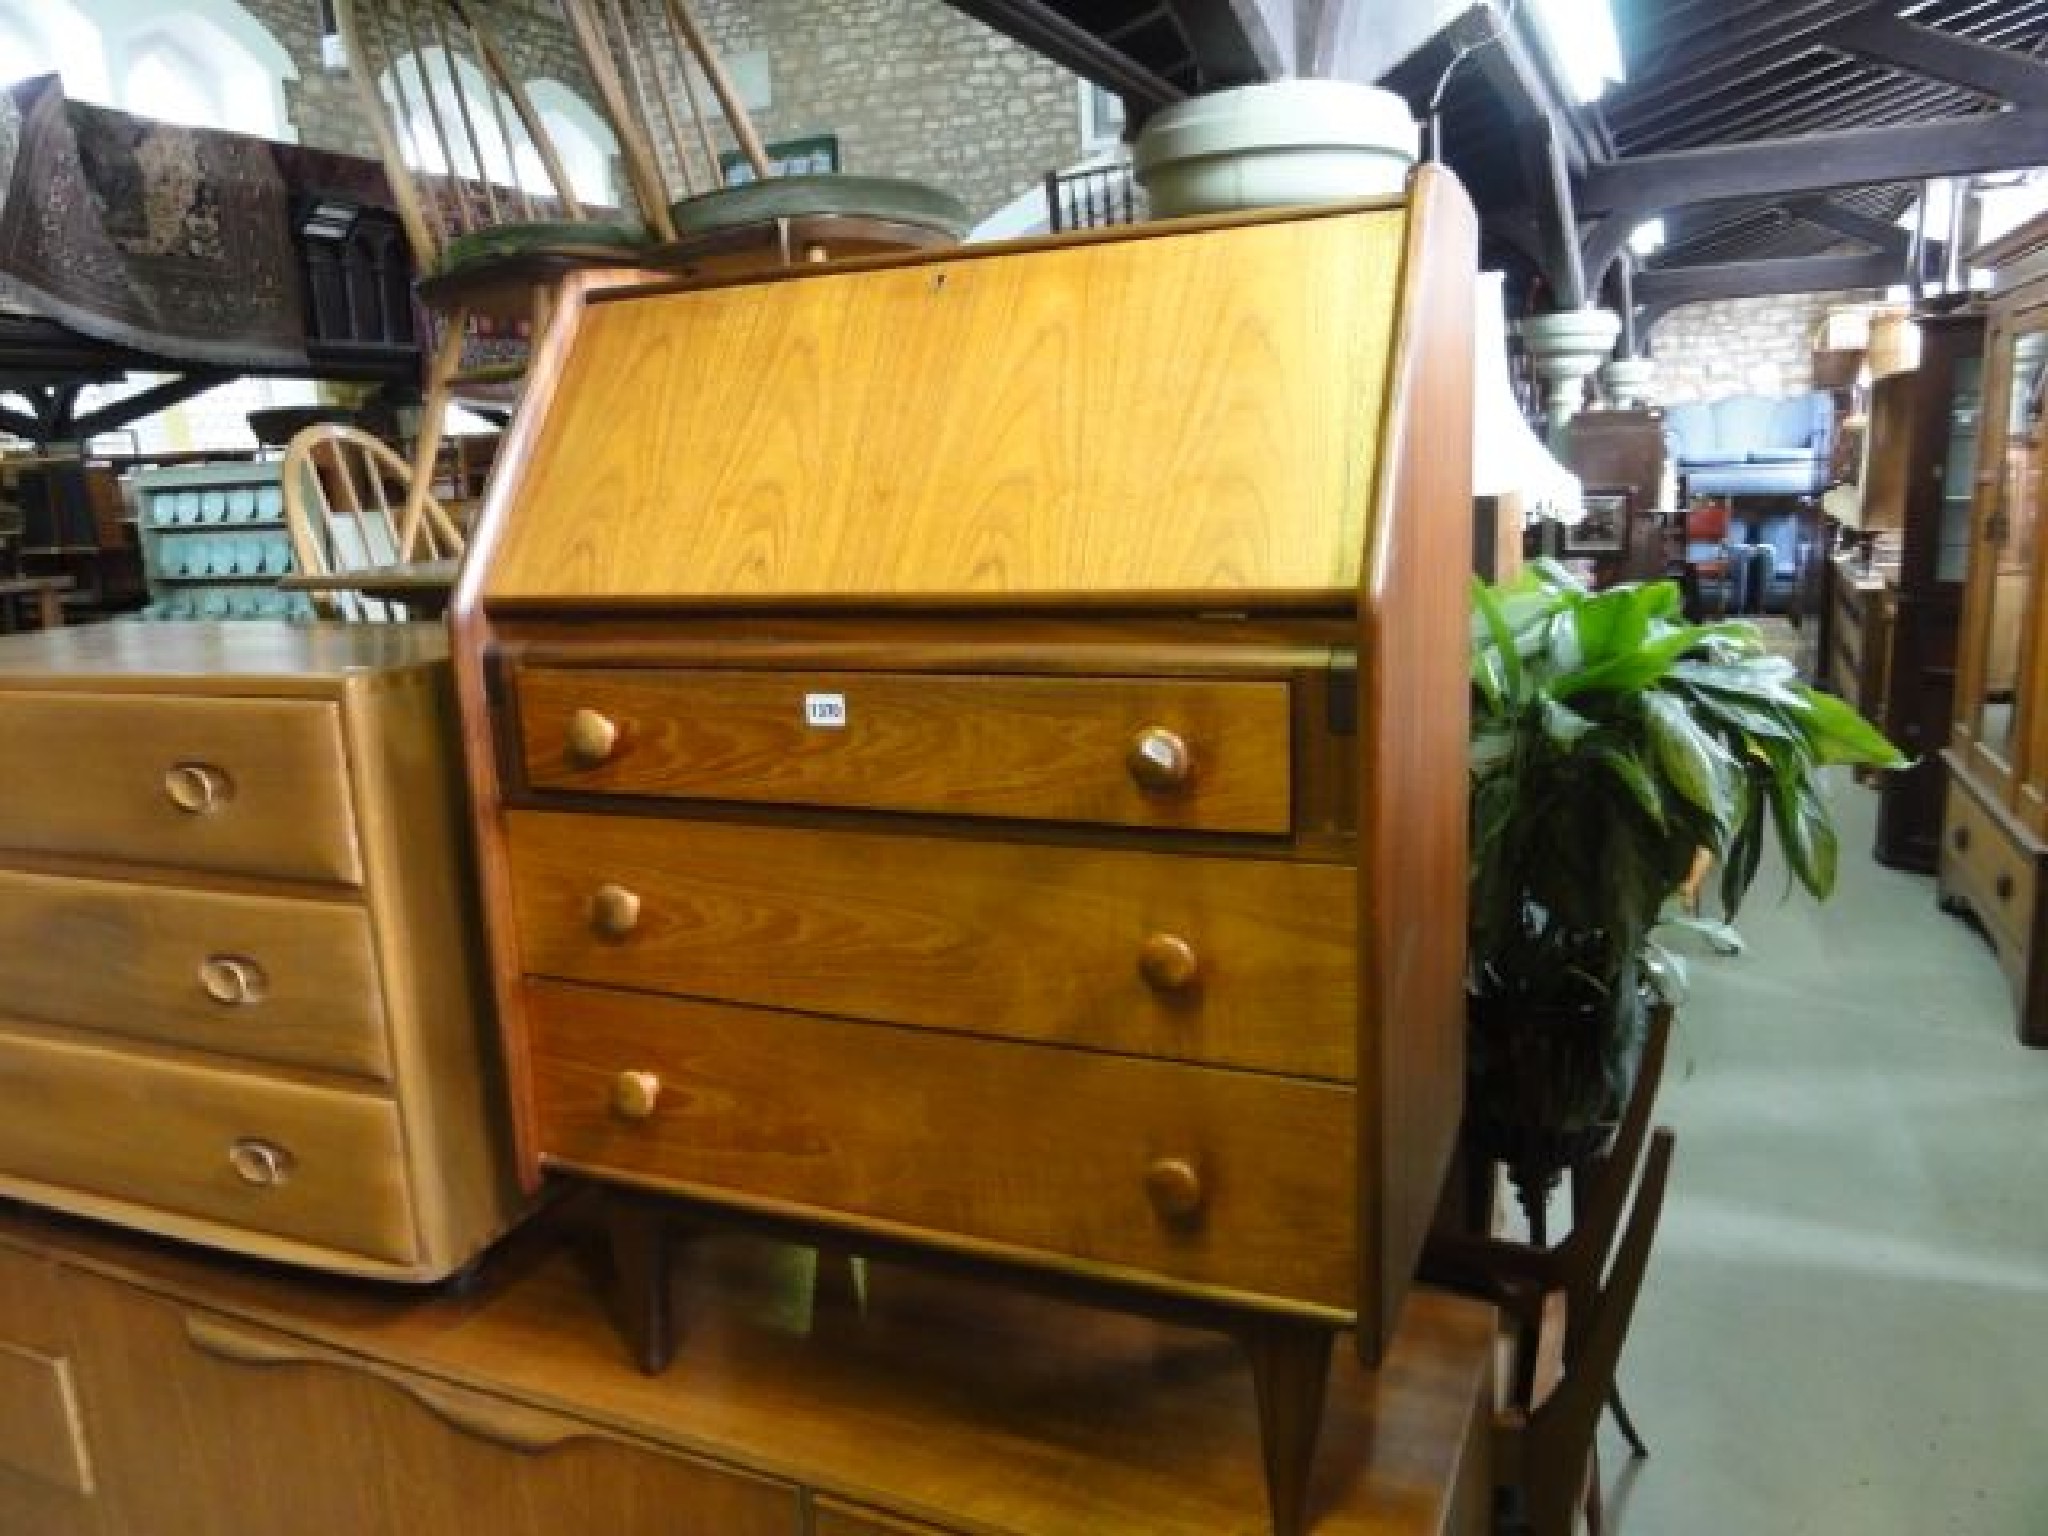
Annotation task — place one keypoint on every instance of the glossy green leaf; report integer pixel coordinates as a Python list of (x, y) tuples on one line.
[(1691, 761)]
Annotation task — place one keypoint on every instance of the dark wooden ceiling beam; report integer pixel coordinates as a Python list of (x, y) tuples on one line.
[(1744, 40), (1040, 26), (1238, 42), (1626, 192), (1886, 239), (1891, 39), (1657, 292), (1549, 177)]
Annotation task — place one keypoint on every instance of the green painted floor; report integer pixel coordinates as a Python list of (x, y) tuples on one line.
[(1845, 1328)]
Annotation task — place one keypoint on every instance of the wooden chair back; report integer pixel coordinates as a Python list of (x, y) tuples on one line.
[(344, 501), (639, 54), (451, 119)]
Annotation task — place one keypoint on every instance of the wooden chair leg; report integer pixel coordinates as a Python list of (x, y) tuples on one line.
[(1290, 1375), (426, 446), (638, 1229), (1624, 1423)]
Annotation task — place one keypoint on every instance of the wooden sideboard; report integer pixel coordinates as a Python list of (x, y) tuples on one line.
[(147, 1390), (241, 995), (965, 759)]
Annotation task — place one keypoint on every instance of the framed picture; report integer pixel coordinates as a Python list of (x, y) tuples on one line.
[(816, 155), (1604, 531)]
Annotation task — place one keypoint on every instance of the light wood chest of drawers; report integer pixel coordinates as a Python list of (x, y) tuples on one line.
[(966, 760), (241, 994)]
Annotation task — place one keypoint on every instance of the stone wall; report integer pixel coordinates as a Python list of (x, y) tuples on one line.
[(323, 104), (1740, 346), (910, 87)]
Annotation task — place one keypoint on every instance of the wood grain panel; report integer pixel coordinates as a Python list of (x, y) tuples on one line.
[(1046, 748), (163, 1135), (41, 1433), (985, 938), (1413, 701), (1037, 1149), (941, 1402), (1030, 423), (214, 1425), (139, 959), (831, 1518), (35, 1328), (93, 774)]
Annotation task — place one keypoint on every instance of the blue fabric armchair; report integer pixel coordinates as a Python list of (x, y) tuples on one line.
[(1752, 445)]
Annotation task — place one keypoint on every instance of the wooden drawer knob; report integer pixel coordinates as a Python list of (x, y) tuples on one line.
[(635, 1094), (1168, 962), (2004, 886), (262, 1163), (614, 911), (592, 737), (1961, 838), (1158, 760), (232, 979), (196, 788), (1175, 1188)]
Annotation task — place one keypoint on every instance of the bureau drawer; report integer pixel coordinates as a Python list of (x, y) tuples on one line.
[(262, 977), (1239, 962), (1190, 753), (255, 786), (1217, 1180), (313, 1164), (1983, 862)]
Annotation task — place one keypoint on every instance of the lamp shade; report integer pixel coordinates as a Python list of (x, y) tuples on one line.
[(1507, 458)]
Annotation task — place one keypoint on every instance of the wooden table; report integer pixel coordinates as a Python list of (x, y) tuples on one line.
[(423, 586), (153, 1388), (44, 596)]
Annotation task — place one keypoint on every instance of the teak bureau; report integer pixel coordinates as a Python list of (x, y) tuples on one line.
[(969, 755)]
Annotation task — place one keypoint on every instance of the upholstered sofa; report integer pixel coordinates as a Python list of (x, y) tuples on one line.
[(1767, 458), (1752, 445)]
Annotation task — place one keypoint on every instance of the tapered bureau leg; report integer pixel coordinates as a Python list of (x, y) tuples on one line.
[(1291, 1376), (638, 1228)]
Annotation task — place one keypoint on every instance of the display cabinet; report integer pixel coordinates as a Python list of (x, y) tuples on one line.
[(1995, 825), (214, 542), (1916, 507)]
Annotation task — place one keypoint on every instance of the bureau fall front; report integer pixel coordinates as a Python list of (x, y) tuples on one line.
[(968, 755)]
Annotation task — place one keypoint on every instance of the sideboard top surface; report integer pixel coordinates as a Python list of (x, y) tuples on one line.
[(1188, 415), (208, 658), (972, 1406)]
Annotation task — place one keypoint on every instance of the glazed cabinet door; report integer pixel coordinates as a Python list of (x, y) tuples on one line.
[(206, 1423), (47, 1483), (1992, 718)]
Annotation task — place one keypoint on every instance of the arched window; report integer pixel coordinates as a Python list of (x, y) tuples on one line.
[(165, 82), (422, 89), (40, 37)]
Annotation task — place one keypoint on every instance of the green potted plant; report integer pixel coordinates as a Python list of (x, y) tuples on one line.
[(1613, 742)]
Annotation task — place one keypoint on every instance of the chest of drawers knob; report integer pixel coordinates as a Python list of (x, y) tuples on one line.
[(232, 979), (593, 737), (614, 910), (197, 788), (635, 1095), (1158, 761), (1174, 1186), (1168, 962), (262, 1163)]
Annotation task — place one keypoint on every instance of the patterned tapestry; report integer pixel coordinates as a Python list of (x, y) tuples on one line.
[(172, 240)]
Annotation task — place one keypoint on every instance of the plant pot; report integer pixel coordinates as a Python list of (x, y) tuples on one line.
[(1544, 1081), (1274, 145)]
